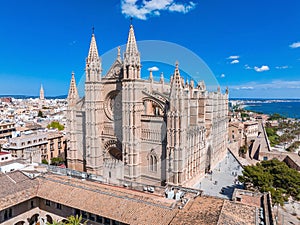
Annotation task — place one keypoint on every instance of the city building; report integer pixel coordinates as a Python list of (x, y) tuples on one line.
[(236, 133), (6, 99), (251, 130), (35, 146), (31, 145), (5, 157), (56, 144), (6, 130), (142, 130)]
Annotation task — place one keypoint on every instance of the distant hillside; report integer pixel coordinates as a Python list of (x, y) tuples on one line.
[(265, 99), (29, 96)]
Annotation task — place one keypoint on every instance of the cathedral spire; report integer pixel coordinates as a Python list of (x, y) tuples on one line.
[(177, 80), (93, 62), (42, 95), (73, 93), (93, 51), (132, 61), (131, 47), (150, 75), (161, 79)]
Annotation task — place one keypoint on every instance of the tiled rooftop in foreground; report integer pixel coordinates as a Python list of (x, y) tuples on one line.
[(119, 203)]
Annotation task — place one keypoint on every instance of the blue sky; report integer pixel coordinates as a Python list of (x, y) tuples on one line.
[(251, 46)]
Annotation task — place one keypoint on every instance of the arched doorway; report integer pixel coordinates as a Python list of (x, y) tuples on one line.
[(113, 161)]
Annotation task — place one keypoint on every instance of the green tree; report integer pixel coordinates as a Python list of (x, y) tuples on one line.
[(57, 161), (276, 116), (272, 135), (55, 223), (40, 114), (285, 138), (277, 196), (293, 146), (44, 161), (71, 220), (55, 125), (75, 220), (274, 176)]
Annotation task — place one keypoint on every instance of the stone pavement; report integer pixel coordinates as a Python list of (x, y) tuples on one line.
[(287, 214), (223, 179)]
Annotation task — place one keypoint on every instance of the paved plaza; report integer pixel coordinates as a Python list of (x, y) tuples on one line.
[(223, 178)]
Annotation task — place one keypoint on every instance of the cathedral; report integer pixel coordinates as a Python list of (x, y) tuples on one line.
[(143, 130)]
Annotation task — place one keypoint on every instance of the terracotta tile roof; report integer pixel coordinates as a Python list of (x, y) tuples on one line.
[(4, 153), (120, 204), (247, 197), (15, 188), (237, 214), (202, 210), (51, 135)]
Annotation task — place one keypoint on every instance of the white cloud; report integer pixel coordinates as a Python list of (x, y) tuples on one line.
[(242, 87), (154, 68), (247, 67), (295, 45), (144, 9), (182, 8), (274, 84), (261, 69), (234, 61), (234, 57), (247, 88), (257, 69), (222, 75), (281, 67)]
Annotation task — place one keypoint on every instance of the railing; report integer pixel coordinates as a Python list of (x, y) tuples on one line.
[(74, 173)]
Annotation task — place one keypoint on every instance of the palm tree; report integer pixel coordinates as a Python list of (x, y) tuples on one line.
[(75, 220), (55, 223)]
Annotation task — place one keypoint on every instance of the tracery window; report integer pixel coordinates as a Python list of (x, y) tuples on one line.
[(153, 163)]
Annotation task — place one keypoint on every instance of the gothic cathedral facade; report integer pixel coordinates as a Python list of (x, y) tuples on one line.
[(142, 130)]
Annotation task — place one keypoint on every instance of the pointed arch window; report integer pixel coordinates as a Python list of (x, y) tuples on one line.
[(153, 163)]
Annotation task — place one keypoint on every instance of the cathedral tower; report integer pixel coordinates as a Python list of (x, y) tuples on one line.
[(132, 60), (42, 96), (132, 109), (92, 153), (176, 132), (72, 154)]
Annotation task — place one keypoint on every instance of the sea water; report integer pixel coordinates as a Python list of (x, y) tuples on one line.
[(289, 109)]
